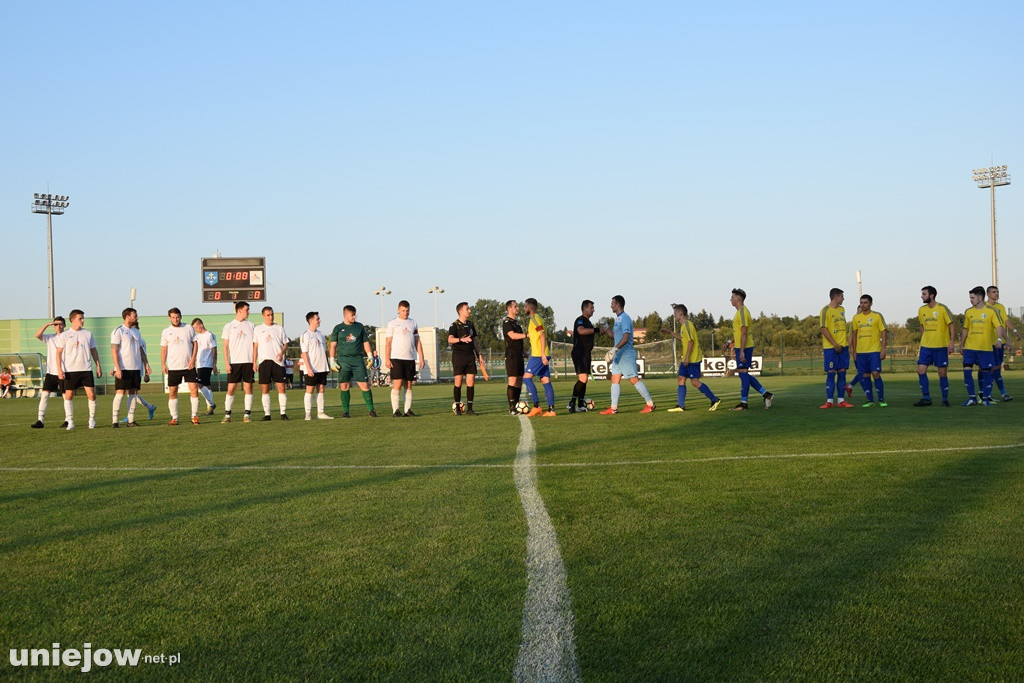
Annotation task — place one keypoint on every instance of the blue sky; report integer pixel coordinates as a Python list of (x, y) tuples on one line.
[(665, 151)]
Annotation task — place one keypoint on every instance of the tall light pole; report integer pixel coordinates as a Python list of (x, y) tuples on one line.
[(860, 285), (382, 292), (991, 178), (52, 205), (435, 290)]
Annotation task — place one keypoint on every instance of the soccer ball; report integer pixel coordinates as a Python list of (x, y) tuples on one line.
[(522, 407), (458, 407), (588, 404)]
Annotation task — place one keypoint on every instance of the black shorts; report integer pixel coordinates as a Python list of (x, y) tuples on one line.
[(463, 364), (204, 375), (271, 372), (175, 377), (319, 379), (77, 380), (130, 380), (53, 384), (403, 369), (240, 372), (581, 362), (515, 366)]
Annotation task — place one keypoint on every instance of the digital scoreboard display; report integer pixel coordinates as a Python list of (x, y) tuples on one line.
[(234, 279)]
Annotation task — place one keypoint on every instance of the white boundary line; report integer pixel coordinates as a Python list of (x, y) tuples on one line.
[(547, 651), (457, 466)]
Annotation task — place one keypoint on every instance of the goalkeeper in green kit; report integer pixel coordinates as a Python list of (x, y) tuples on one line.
[(349, 344)]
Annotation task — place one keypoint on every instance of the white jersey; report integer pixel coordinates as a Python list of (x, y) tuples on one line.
[(403, 335), (51, 353), (314, 344), (270, 342), (179, 342), (128, 341), (239, 336), (76, 344), (207, 342)]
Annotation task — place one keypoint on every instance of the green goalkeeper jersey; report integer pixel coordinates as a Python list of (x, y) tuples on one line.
[(350, 340)]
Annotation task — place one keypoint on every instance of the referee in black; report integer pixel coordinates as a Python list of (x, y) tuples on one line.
[(582, 346), (462, 339), (515, 366)]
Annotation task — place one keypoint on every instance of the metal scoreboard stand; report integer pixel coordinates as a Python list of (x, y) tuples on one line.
[(234, 279)]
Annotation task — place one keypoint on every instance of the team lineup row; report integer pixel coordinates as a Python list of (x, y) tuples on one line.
[(188, 354)]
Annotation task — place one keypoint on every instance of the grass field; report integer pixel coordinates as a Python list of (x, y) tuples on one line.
[(792, 543)]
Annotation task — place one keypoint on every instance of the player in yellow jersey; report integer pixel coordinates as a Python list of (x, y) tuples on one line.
[(997, 369), (983, 330), (689, 368), (835, 348), (744, 350), (937, 335), (539, 363), (867, 347)]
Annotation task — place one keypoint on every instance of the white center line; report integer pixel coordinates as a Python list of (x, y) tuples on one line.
[(547, 651)]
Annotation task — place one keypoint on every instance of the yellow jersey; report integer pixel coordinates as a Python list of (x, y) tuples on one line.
[(741, 320), (833, 320), (1001, 309), (687, 334), (981, 325), (934, 326), (535, 328), (868, 328)]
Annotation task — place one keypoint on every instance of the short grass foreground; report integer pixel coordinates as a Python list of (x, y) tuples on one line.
[(788, 543)]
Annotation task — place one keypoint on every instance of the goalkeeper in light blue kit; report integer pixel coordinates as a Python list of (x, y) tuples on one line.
[(623, 362)]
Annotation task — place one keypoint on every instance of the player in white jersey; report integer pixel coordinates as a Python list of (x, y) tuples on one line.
[(178, 352), (76, 358), (401, 348), (238, 337), (314, 363), (130, 419), (271, 342), (206, 361), (52, 385), (129, 360)]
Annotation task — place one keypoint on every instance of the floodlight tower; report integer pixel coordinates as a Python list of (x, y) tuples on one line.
[(52, 205), (991, 178), (435, 290), (382, 292)]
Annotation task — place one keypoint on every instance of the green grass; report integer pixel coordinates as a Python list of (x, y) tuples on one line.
[(687, 559)]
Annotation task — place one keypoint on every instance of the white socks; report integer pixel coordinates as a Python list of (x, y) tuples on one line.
[(41, 412)]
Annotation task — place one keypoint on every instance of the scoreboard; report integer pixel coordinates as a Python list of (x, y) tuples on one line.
[(234, 279)]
